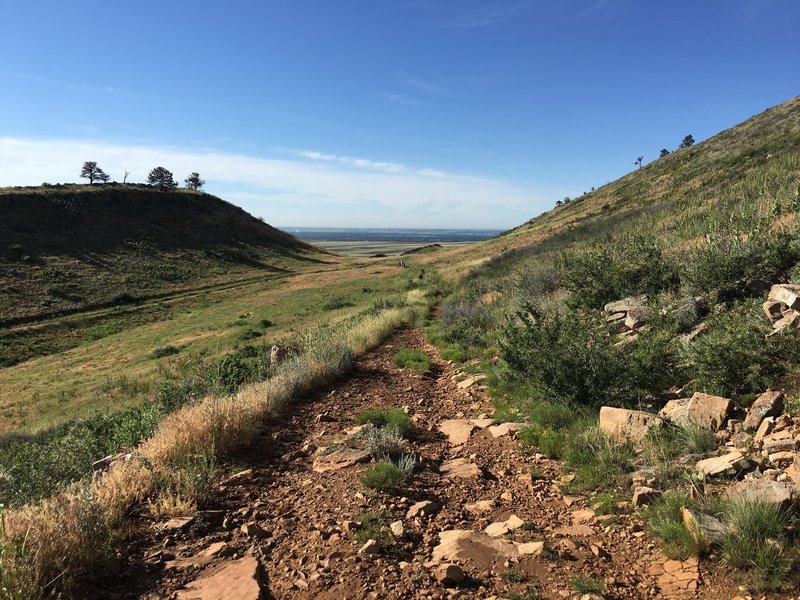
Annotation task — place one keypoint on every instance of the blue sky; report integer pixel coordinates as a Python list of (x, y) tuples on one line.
[(415, 113)]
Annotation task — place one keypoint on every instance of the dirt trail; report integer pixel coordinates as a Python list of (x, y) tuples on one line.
[(300, 524)]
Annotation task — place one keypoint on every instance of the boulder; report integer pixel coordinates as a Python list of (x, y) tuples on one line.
[(476, 547), (773, 309), (768, 404), (785, 293), (426, 508), (705, 529), (781, 493), (626, 304), (231, 580), (644, 495), (502, 527), (460, 468), (457, 430), (339, 459), (530, 548), (449, 574), (397, 528), (505, 429), (637, 317), (766, 427), (701, 409), (621, 423), (728, 465), (470, 381)]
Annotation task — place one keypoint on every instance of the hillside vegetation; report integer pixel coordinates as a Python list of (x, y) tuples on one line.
[(644, 291)]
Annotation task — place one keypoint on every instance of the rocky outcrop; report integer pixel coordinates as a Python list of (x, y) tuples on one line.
[(701, 409), (768, 404), (783, 306), (727, 465), (622, 424), (232, 580)]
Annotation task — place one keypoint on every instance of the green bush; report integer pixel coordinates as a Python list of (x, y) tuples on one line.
[(756, 541), (614, 270), (734, 357), (564, 357), (165, 351), (386, 475), (453, 353), (416, 360), (466, 321), (726, 263), (387, 417)]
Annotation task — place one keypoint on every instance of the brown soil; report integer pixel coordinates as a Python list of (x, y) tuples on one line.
[(308, 544)]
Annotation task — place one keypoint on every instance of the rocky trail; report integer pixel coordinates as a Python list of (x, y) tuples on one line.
[(478, 519)]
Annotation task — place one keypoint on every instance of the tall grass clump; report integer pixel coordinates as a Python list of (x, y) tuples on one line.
[(665, 520), (416, 360), (756, 541), (387, 418), (386, 474), (598, 460)]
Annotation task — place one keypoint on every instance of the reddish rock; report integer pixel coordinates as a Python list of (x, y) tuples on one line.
[(768, 404), (426, 508), (339, 459), (644, 495), (621, 423), (457, 430), (476, 547), (773, 492), (460, 468), (701, 409), (502, 527), (449, 574), (232, 580), (705, 529), (726, 465)]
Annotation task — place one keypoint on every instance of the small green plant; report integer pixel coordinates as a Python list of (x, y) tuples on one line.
[(371, 526), (585, 584), (164, 351), (756, 541), (416, 360), (453, 353), (607, 503), (383, 442), (386, 475), (600, 462), (515, 575), (387, 417), (666, 521)]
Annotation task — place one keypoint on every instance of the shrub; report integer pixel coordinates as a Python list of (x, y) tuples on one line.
[(666, 521), (383, 442), (386, 475), (387, 417), (756, 541), (165, 351), (416, 360), (466, 321), (726, 263), (337, 303), (735, 357), (564, 357), (631, 266), (453, 353), (586, 585), (598, 460)]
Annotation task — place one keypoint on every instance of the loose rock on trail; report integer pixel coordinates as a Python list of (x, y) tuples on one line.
[(476, 521)]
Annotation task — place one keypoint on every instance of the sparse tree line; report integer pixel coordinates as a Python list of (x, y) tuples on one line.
[(159, 177), (687, 142)]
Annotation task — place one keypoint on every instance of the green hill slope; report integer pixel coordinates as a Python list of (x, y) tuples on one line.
[(69, 248)]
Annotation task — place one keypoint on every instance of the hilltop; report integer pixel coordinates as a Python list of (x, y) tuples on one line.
[(68, 248)]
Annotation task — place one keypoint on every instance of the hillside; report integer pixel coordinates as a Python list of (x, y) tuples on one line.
[(69, 248)]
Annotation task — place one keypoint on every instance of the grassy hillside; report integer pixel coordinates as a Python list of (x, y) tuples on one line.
[(696, 239)]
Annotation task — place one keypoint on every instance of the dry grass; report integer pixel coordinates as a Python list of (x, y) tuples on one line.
[(54, 543)]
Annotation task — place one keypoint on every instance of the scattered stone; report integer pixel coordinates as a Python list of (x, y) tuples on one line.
[(579, 530), (771, 446), (701, 409), (480, 506), (397, 529), (644, 495), (463, 545), (728, 465), (621, 423), (502, 527), (772, 492), (768, 404), (705, 529), (505, 429), (679, 579), (637, 316), (459, 467), (785, 293), (370, 548), (530, 548), (457, 430), (426, 508), (339, 459), (232, 580), (177, 523), (766, 427), (470, 381), (625, 305), (214, 549), (449, 574), (254, 530), (583, 516), (570, 500)]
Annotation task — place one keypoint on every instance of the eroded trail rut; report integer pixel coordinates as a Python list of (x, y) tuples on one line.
[(277, 527)]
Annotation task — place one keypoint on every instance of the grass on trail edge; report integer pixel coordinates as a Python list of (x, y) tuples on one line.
[(60, 540)]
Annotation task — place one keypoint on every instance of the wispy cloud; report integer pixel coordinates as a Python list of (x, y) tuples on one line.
[(487, 16), (314, 189), (402, 99)]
